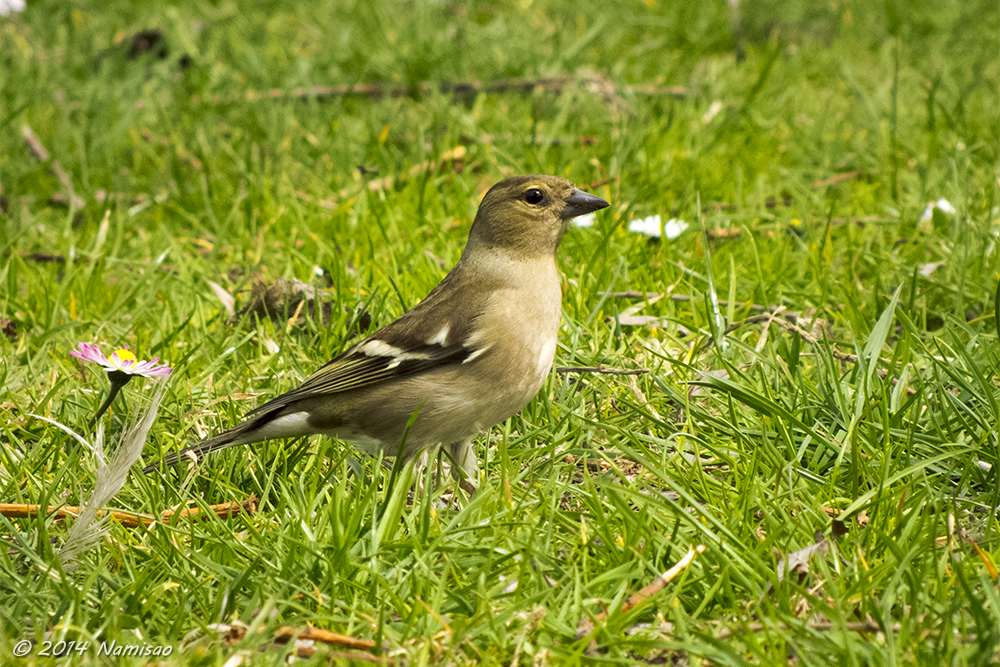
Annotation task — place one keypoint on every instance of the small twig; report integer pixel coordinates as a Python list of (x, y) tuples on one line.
[(532, 140), (724, 233), (285, 634), (851, 626), (303, 638), (601, 370), (641, 397), (661, 581), (454, 157), (677, 92), (35, 144), (785, 318), (755, 319), (517, 85), (42, 155), (810, 338), (601, 182), (128, 519), (687, 298), (837, 178), (49, 258), (337, 656), (101, 196), (586, 626)]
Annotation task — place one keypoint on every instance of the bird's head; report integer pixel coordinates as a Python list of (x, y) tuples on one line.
[(527, 215)]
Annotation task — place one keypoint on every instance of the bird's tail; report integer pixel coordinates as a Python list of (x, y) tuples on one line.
[(230, 438)]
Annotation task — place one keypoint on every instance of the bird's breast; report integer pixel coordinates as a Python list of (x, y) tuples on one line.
[(521, 327)]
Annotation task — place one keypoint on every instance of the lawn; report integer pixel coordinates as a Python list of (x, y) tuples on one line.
[(808, 435)]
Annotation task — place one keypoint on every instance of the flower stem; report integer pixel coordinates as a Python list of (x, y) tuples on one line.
[(118, 380)]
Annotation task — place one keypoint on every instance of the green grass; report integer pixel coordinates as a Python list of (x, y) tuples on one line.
[(742, 441)]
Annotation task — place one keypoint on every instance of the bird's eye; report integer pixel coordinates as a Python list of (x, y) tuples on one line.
[(534, 196)]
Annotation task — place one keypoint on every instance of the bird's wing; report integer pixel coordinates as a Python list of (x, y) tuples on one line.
[(395, 352), (370, 363)]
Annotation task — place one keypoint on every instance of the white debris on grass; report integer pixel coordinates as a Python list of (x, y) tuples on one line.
[(942, 204)]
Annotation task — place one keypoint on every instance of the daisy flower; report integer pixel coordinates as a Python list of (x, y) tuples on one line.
[(11, 6), (122, 360), (655, 228), (943, 205), (121, 367)]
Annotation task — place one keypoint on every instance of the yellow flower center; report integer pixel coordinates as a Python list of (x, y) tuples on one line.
[(125, 355)]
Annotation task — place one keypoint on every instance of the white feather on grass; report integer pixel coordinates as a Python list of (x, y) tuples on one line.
[(88, 529)]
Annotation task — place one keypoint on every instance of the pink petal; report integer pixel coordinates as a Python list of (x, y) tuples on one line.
[(151, 369), (158, 371), (89, 352)]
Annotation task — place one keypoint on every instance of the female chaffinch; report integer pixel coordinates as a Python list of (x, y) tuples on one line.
[(467, 357)]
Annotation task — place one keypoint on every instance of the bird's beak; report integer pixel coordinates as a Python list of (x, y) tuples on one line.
[(579, 203)]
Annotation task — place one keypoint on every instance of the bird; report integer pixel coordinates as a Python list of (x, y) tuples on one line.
[(468, 356)]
